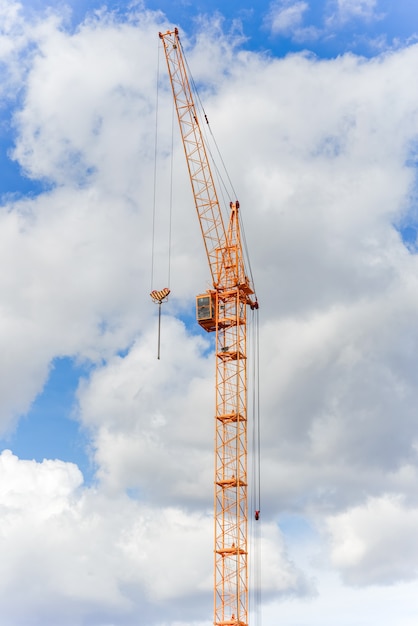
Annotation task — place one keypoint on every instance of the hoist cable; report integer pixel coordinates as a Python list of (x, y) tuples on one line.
[(154, 201), (257, 402), (220, 178), (256, 517), (207, 143), (246, 253), (221, 159), (256, 434), (160, 296), (171, 194)]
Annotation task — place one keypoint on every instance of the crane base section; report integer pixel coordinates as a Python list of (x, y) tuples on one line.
[(231, 622)]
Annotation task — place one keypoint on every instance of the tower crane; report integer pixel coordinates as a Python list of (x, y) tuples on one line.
[(222, 310)]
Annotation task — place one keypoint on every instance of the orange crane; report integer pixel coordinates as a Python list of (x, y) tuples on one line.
[(223, 310)]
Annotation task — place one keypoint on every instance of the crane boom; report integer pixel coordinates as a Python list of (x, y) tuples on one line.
[(222, 309)]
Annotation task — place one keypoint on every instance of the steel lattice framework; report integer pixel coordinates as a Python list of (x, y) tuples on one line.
[(222, 309)]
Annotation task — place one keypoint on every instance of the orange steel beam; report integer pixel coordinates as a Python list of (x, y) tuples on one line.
[(232, 295), (204, 191)]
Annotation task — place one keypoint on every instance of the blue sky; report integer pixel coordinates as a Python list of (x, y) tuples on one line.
[(326, 27), (106, 458), (391, 24), (50, 429)]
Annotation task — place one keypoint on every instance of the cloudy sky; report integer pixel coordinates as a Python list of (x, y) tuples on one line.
[(106, 452)]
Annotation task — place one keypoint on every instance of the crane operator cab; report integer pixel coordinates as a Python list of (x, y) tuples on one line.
[(205, 311)]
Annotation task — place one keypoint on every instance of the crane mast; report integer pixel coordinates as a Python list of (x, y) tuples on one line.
[(223, 310)]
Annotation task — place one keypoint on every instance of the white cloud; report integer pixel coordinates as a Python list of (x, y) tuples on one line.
[(67, 130), (346, 10), (375, 543), (55, 276), (357, 8), (286, 16), (319, 150), (66, 294), (41, 489), (72, 554), (152, 418), (347, 606), (17, 39)]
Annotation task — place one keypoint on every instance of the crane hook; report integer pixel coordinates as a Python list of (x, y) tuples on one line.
[(159, 297)]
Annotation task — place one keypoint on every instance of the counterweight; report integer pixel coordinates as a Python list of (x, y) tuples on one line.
[(223, 310)]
